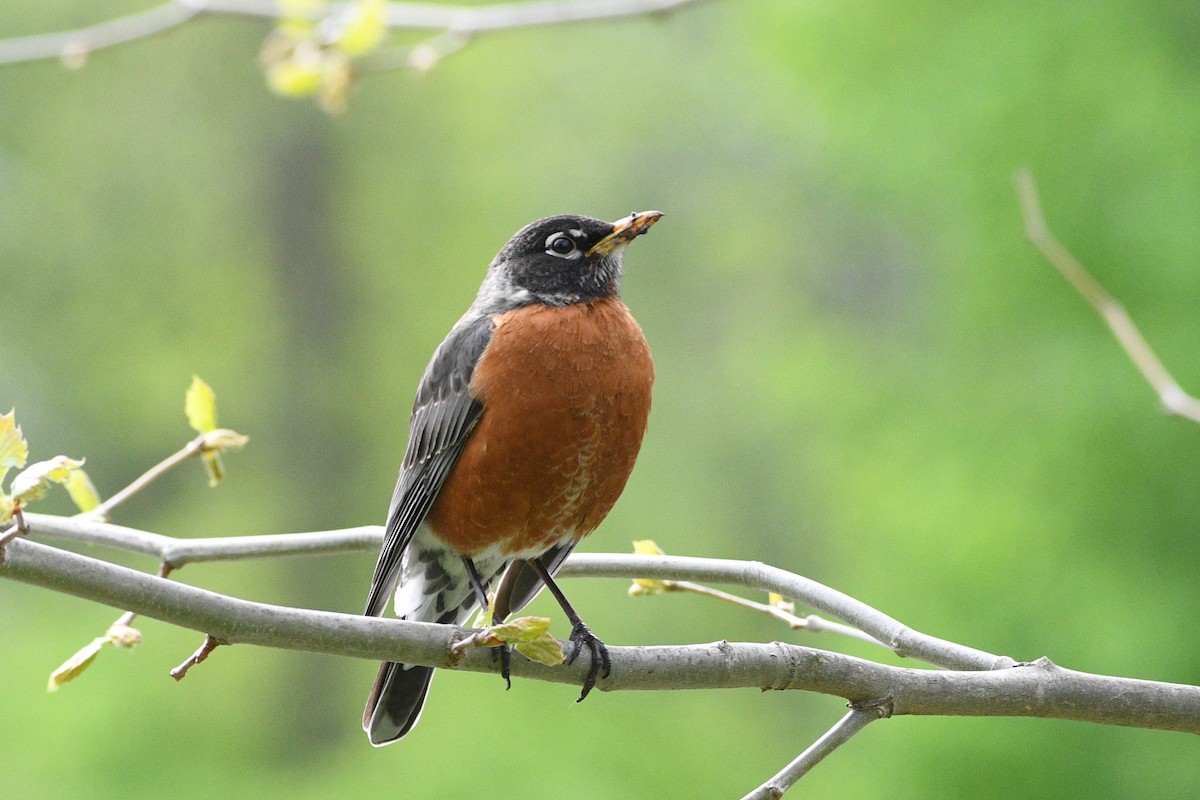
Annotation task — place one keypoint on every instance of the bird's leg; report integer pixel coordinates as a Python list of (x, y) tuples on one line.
[(501, 652), (580, 633), (476, 582)]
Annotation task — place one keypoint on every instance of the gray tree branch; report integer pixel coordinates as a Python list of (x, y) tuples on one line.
[(900, 638), (1040, 689), (835, 737), (457, 21)]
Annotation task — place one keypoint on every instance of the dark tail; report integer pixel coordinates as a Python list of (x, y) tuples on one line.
[(395, 703)]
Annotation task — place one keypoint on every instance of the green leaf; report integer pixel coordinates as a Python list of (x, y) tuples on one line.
[(530, 636), (74, 666), (83, 492), (295, 67), (777, 600), (521, 629), (545, 650), (200, 405), (642, 587), (647, 547), (14, 451), (299, 17), (214, 467), (215, 442), (365, 28), (31, 483), (118, 635)]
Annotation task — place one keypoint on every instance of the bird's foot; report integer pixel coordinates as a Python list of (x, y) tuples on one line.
[(601, 665), (505, 655)]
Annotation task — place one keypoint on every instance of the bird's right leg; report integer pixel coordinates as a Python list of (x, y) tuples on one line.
[(502, 652)]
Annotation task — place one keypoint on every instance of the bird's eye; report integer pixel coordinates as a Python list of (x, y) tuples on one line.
[(561, 245)]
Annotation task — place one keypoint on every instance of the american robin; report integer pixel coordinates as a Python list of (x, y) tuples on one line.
[(525, 428)]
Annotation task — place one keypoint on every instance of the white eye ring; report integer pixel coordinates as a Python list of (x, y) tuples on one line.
[(562, 246)]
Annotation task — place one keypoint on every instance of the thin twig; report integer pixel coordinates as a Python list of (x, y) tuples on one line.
[(422, 56), (901, 639), (460, 21), (504, 16), (19, 527), (1173, 398), (831, 740), (74, 46), (178, 552), (811, 623), (104, 511), (204, 651)]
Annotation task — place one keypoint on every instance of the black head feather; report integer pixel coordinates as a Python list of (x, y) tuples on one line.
[(561, 260)]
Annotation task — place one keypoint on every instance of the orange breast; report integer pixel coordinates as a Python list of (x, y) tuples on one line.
[(566, 395)]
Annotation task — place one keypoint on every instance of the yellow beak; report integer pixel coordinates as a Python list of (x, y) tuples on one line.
[(624, 231)]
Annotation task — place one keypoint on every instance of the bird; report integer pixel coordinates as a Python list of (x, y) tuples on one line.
[(525, 427)]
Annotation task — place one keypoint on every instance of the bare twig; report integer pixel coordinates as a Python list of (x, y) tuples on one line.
[(1173, 398), (104, 511), (178, 552), (19, 527), (1040, 689), (457, 21), (835, 737), (422, 56), (204, 651), (74, 46), (901, 639), (811, 623), (468, 20)]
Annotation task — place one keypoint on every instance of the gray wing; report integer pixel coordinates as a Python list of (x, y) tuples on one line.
[(444, 414)]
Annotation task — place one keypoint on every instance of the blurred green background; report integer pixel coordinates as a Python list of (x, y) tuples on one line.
[(865, 374)]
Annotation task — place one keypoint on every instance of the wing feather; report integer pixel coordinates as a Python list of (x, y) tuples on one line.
[(444, 414)]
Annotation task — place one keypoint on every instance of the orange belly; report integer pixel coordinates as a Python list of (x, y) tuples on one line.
[(566, 396)]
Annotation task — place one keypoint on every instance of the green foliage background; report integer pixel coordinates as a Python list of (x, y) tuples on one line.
[(865, 374)]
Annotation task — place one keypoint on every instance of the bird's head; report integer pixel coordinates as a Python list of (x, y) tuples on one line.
[(561, 260)]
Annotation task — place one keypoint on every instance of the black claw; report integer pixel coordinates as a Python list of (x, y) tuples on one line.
[(506, 666), (580, 635), (601, 664), (504, 655)]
